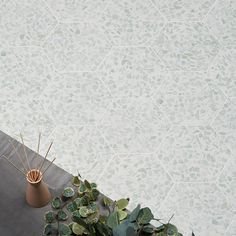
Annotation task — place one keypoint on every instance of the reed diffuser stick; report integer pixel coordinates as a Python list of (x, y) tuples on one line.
[(46, 156), (23, 164), (13, 165), (39, 143), (49, 165), (39, 139), (22, 140)]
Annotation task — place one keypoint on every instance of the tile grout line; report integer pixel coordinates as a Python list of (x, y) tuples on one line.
[(218, 112), (210, 9)]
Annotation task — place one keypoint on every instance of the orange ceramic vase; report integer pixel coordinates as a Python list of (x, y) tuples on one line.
[(37, 192)]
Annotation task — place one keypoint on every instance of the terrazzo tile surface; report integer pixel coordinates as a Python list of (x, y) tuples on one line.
[(222, 71), (222, 21), (83, 96), (77, 46), (144, 169), (138, 95), (76, 11), (186, 98), (198, 202), (176, 10), (25, 22), (134, 22), (186, 46)]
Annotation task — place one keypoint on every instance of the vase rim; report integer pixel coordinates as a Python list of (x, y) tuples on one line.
[(30, 179)]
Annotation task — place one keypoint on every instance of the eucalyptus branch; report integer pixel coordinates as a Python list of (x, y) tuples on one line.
[(86, 217)]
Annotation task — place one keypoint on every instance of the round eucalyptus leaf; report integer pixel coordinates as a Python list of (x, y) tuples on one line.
[(162, 233), (49, 216), (77, 201), (145, 216), (56, 202), (85, 200), (92, 219), (122, 203), (93, 207), (160, 228), (95, 194), (64, 230), (76, 181), (82, 201), (172, 230), (78, 229), (148, 229), (87, 185), (93, 185), (102, 229), (84, 211), (107, 201), (76, 215), (72, 206), (61, 215), (70, 225), (82, 188), (122, 214), (103, 219), (48, 229), (68, 192), (135, 225)]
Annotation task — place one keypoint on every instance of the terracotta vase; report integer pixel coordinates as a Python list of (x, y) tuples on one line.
[(37, 192)]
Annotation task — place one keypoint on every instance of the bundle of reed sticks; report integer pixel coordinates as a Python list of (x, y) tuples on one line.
[(33, 174)]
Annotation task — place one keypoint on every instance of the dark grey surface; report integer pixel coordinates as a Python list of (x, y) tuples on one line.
[(16, 217)]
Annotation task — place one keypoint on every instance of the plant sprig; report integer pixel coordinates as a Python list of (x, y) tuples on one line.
[(77, 212)]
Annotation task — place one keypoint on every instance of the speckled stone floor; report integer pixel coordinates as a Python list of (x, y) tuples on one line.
[(138, 95)]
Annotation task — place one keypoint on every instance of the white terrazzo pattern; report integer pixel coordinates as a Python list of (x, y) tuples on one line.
[(138, 95)]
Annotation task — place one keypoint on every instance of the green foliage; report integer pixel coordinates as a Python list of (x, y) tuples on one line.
[(122, 214), (61, 215), (122, 203), (56, 203), (113, 220), (68, 192), (134, 214), (93, 185), (48, 229), (78, 229), (94, 194), (75, 181), (126, 228), (107, 201), (79, 207), (145, 216), (64, 230), (76, 215), (49, 217), (72, 206), (84, 211), (148, 229), (172, 230), (87, 185), (167, 230), (82, 188)]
